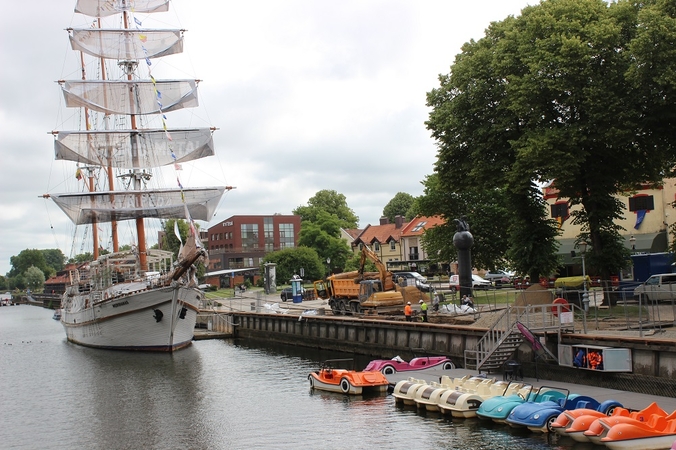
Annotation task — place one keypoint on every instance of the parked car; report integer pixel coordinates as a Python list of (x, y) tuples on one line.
[(413, 279), (499, 277), (477, 283), (287, 293), (658, 287)]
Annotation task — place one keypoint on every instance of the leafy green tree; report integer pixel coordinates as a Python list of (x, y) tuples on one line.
[(81, 258), (354, 261), (171, 242), (485, 212), (289, 261), (399, 206), (563, 92), (25, 259), (17, 282), (4, 283), (54, 258), (35, 278), (323, 236), (331, 202)]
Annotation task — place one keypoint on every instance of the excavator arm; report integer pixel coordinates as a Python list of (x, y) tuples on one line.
[(385, 275)]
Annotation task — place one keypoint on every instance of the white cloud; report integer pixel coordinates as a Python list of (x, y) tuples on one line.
[(307, 95)]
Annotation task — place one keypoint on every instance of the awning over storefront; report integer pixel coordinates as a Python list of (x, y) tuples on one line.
[(643, 243)]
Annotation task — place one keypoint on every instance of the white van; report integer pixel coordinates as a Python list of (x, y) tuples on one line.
[(660, 287)]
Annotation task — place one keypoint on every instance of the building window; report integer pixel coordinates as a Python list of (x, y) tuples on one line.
[(413, 254), (376, 246), (641, 203), (560, 210), (249, 232), (420, 225), (286, 235), (393, 245), (269, 234)]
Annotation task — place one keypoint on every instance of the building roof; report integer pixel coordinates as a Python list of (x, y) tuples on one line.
[(417, 226), (379, 233), (353, 232)]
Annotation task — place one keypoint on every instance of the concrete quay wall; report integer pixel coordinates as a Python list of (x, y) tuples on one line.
[(363, 336), (653, 361)]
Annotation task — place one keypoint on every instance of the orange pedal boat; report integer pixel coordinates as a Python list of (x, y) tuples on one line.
[(333, 379), (600, 427), (656, 434)]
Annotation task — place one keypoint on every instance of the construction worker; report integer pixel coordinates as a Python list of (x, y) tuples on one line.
[(408, 312), (423, 310)]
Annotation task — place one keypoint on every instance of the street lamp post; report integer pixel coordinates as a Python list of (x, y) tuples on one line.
[(328, 265), (632, 241), (585, 294)]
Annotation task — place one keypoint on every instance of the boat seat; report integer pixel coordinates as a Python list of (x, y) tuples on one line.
[(657, 423), (582, 404), (546, 398), (670, 428)]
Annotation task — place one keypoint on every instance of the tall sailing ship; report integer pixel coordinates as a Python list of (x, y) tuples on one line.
[(139, 299)]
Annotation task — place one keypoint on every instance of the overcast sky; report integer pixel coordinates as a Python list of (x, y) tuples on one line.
[(307, 95)]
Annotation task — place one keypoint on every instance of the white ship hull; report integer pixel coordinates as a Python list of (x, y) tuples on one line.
[(129, 321)]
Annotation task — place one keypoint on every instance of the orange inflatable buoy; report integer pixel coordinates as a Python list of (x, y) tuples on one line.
[(564, 306)]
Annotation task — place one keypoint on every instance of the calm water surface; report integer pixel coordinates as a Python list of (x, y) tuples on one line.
[(214, 395)]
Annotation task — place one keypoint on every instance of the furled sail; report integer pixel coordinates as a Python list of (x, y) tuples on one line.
[(84, 208), (134, 148), (126, 44), (130, 97), (103, 8)]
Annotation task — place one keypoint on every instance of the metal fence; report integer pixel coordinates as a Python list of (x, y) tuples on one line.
[(611, 308)]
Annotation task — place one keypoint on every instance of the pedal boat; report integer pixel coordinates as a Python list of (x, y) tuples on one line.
[(332, 379), (463, 405), (573, 423), (396, 364), (498, 408), (539, 416), (656, 434), (429, 398), (600, 427), (405, 390)]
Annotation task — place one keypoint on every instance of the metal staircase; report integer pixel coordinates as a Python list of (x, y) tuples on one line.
[(501, 341)]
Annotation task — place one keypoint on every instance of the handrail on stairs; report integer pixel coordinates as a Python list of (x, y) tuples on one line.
[(535, 317)]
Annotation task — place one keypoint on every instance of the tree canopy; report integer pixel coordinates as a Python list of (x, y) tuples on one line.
[(289, 261), (576, 91), (323, 236), (28, 258), (333, 203), (35, 278), (400, 205)]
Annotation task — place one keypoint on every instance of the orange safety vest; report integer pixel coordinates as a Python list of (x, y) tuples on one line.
[(594, 359), (407, 310)]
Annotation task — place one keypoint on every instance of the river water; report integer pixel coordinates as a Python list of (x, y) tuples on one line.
[(217, 394)]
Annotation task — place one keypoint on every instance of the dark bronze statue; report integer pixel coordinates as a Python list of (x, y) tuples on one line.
[(463, 241)]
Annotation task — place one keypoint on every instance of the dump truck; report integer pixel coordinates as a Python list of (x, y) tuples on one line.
[(359, 292)]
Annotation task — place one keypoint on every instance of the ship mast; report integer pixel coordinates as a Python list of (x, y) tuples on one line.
[(109, 168), (130, 67), (90, 176)]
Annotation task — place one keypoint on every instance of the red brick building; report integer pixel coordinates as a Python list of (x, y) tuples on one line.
[(241, 242)]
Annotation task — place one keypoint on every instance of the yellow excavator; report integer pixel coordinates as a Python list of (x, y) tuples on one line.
[(360, 292)]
